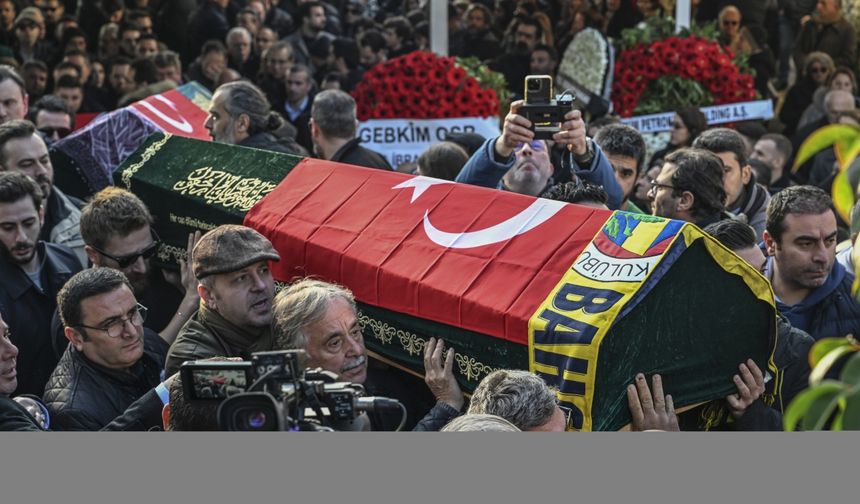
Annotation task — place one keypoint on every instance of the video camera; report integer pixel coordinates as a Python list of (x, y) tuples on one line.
[(545, 110), (272, 392)]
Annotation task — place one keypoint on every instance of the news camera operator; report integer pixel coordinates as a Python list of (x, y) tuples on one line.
[(516, 161), (321, 318)]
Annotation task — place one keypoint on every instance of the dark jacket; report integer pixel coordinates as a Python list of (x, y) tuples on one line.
[(412, 392), (63, 222), (301, 123), (838, 39), (207, 334), (829, 310), (140, 416), (791, 359), (798, 98), (354, 154), (483, 169), (28, 309), (84, 396), (267, 141), (753, 206), (207, 22)]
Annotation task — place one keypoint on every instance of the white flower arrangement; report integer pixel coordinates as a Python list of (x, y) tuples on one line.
[(588, 60)]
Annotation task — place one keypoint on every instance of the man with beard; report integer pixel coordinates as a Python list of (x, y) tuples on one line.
[(117, 229), (744, 197), (321, 319), (477, 39), (239, 114), (514, 65), (236, 287), (812, 290), (625, 149), (33, 271), (22, 149), (516, 162), (312, 17), (112, 360)]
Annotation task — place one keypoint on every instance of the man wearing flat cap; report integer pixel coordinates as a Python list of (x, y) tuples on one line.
[(236, 289)]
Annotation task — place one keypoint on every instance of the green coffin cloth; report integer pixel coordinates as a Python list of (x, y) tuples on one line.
[(192, 185)]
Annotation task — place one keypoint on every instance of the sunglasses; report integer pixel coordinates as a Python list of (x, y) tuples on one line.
[(817, 70), (128, 260), (536, 145), (59, 132), (731, 23)]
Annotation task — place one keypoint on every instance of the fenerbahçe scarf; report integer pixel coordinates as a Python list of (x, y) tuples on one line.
[(586, 298)]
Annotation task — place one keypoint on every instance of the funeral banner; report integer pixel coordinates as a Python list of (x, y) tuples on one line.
[(84, 161), (192, 185), (403, 140), (585, 297), (716, 114)]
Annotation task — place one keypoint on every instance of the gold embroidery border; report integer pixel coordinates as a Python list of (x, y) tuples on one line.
[(150, 151), (471, 368)]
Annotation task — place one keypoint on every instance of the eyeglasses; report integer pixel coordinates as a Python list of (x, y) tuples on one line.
[(536, 145), (656, 185), (568, 416), (114, 327), (59, 132), (126, 261), (728, 22), (817, 69)]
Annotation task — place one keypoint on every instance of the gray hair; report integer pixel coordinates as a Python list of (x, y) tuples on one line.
[(246, 98), (239, 30), (520, 397), (301, 304), (334, 112), (479, 422)]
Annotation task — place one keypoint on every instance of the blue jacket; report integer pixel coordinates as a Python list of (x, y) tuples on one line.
[(482, 169), (829, 310)]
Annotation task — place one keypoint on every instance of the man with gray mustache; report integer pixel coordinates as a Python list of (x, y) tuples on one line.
[(236, 289), (321, 319)]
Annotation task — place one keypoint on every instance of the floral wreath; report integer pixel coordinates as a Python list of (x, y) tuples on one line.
[(421, 85), (661, 75)]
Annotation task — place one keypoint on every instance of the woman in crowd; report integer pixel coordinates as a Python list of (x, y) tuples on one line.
[(842, 79), (816, 71), (686, 126)]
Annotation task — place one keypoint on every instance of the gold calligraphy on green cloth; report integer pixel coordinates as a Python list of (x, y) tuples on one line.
[(223, 188)]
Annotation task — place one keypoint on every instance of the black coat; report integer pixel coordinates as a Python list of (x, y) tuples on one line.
[(82, 395), (206, 23), (140, 416), (354, 154), (28, 310)]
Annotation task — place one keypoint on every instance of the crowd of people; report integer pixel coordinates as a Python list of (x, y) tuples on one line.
[(93, 333)]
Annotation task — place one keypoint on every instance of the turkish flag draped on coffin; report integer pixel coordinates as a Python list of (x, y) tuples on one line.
[(501, 277)]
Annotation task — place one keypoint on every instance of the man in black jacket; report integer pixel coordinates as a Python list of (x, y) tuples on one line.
[(111, 361), (321, 319), (32, 273), (14, 416), (333, 125)]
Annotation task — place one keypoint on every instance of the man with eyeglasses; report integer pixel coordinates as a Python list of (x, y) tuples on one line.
[(29, 414), (111, 361), (690, 188), (32, 272), (52, 118), (22, 149), (516, 162), (828, 32)]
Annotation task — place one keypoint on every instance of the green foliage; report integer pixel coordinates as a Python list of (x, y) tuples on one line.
[(658, 28), (671, 92), (827, 403)]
